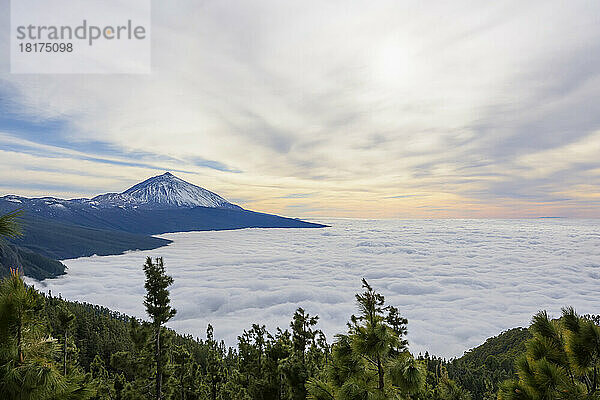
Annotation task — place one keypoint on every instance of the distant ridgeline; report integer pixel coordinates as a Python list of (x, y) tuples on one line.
[(116, 222)]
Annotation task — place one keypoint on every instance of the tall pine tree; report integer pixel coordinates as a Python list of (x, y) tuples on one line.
[(371, 360), (158, 307)]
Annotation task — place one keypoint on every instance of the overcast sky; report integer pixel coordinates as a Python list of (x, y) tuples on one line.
[(331, 108)]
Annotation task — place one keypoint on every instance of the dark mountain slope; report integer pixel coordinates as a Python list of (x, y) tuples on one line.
[(32, 264), (482, 369), (60, 241), (151, 221)]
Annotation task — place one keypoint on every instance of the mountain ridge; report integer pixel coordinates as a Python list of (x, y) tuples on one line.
[(112, 223), (157, 192)]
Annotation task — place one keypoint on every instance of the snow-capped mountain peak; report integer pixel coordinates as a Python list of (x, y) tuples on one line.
[(160, 192), (163, 191)]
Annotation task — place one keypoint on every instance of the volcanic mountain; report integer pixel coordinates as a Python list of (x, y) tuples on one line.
[(112, 223), (163, 191)]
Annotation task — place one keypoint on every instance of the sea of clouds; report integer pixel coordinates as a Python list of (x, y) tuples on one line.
[(457, 281)]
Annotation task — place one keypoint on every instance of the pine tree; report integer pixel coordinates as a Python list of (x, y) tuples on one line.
[(27, 351), (10, 226), (182, 370), (102, 383), (158, 307), (307, 353), (371, 361), (561, 362), (65, 321), (213, 369), (136, 378)]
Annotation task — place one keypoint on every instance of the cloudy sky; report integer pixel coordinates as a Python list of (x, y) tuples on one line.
[(311, 108)]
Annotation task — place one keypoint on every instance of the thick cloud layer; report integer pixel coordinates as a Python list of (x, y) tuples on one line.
[(457, 281)]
